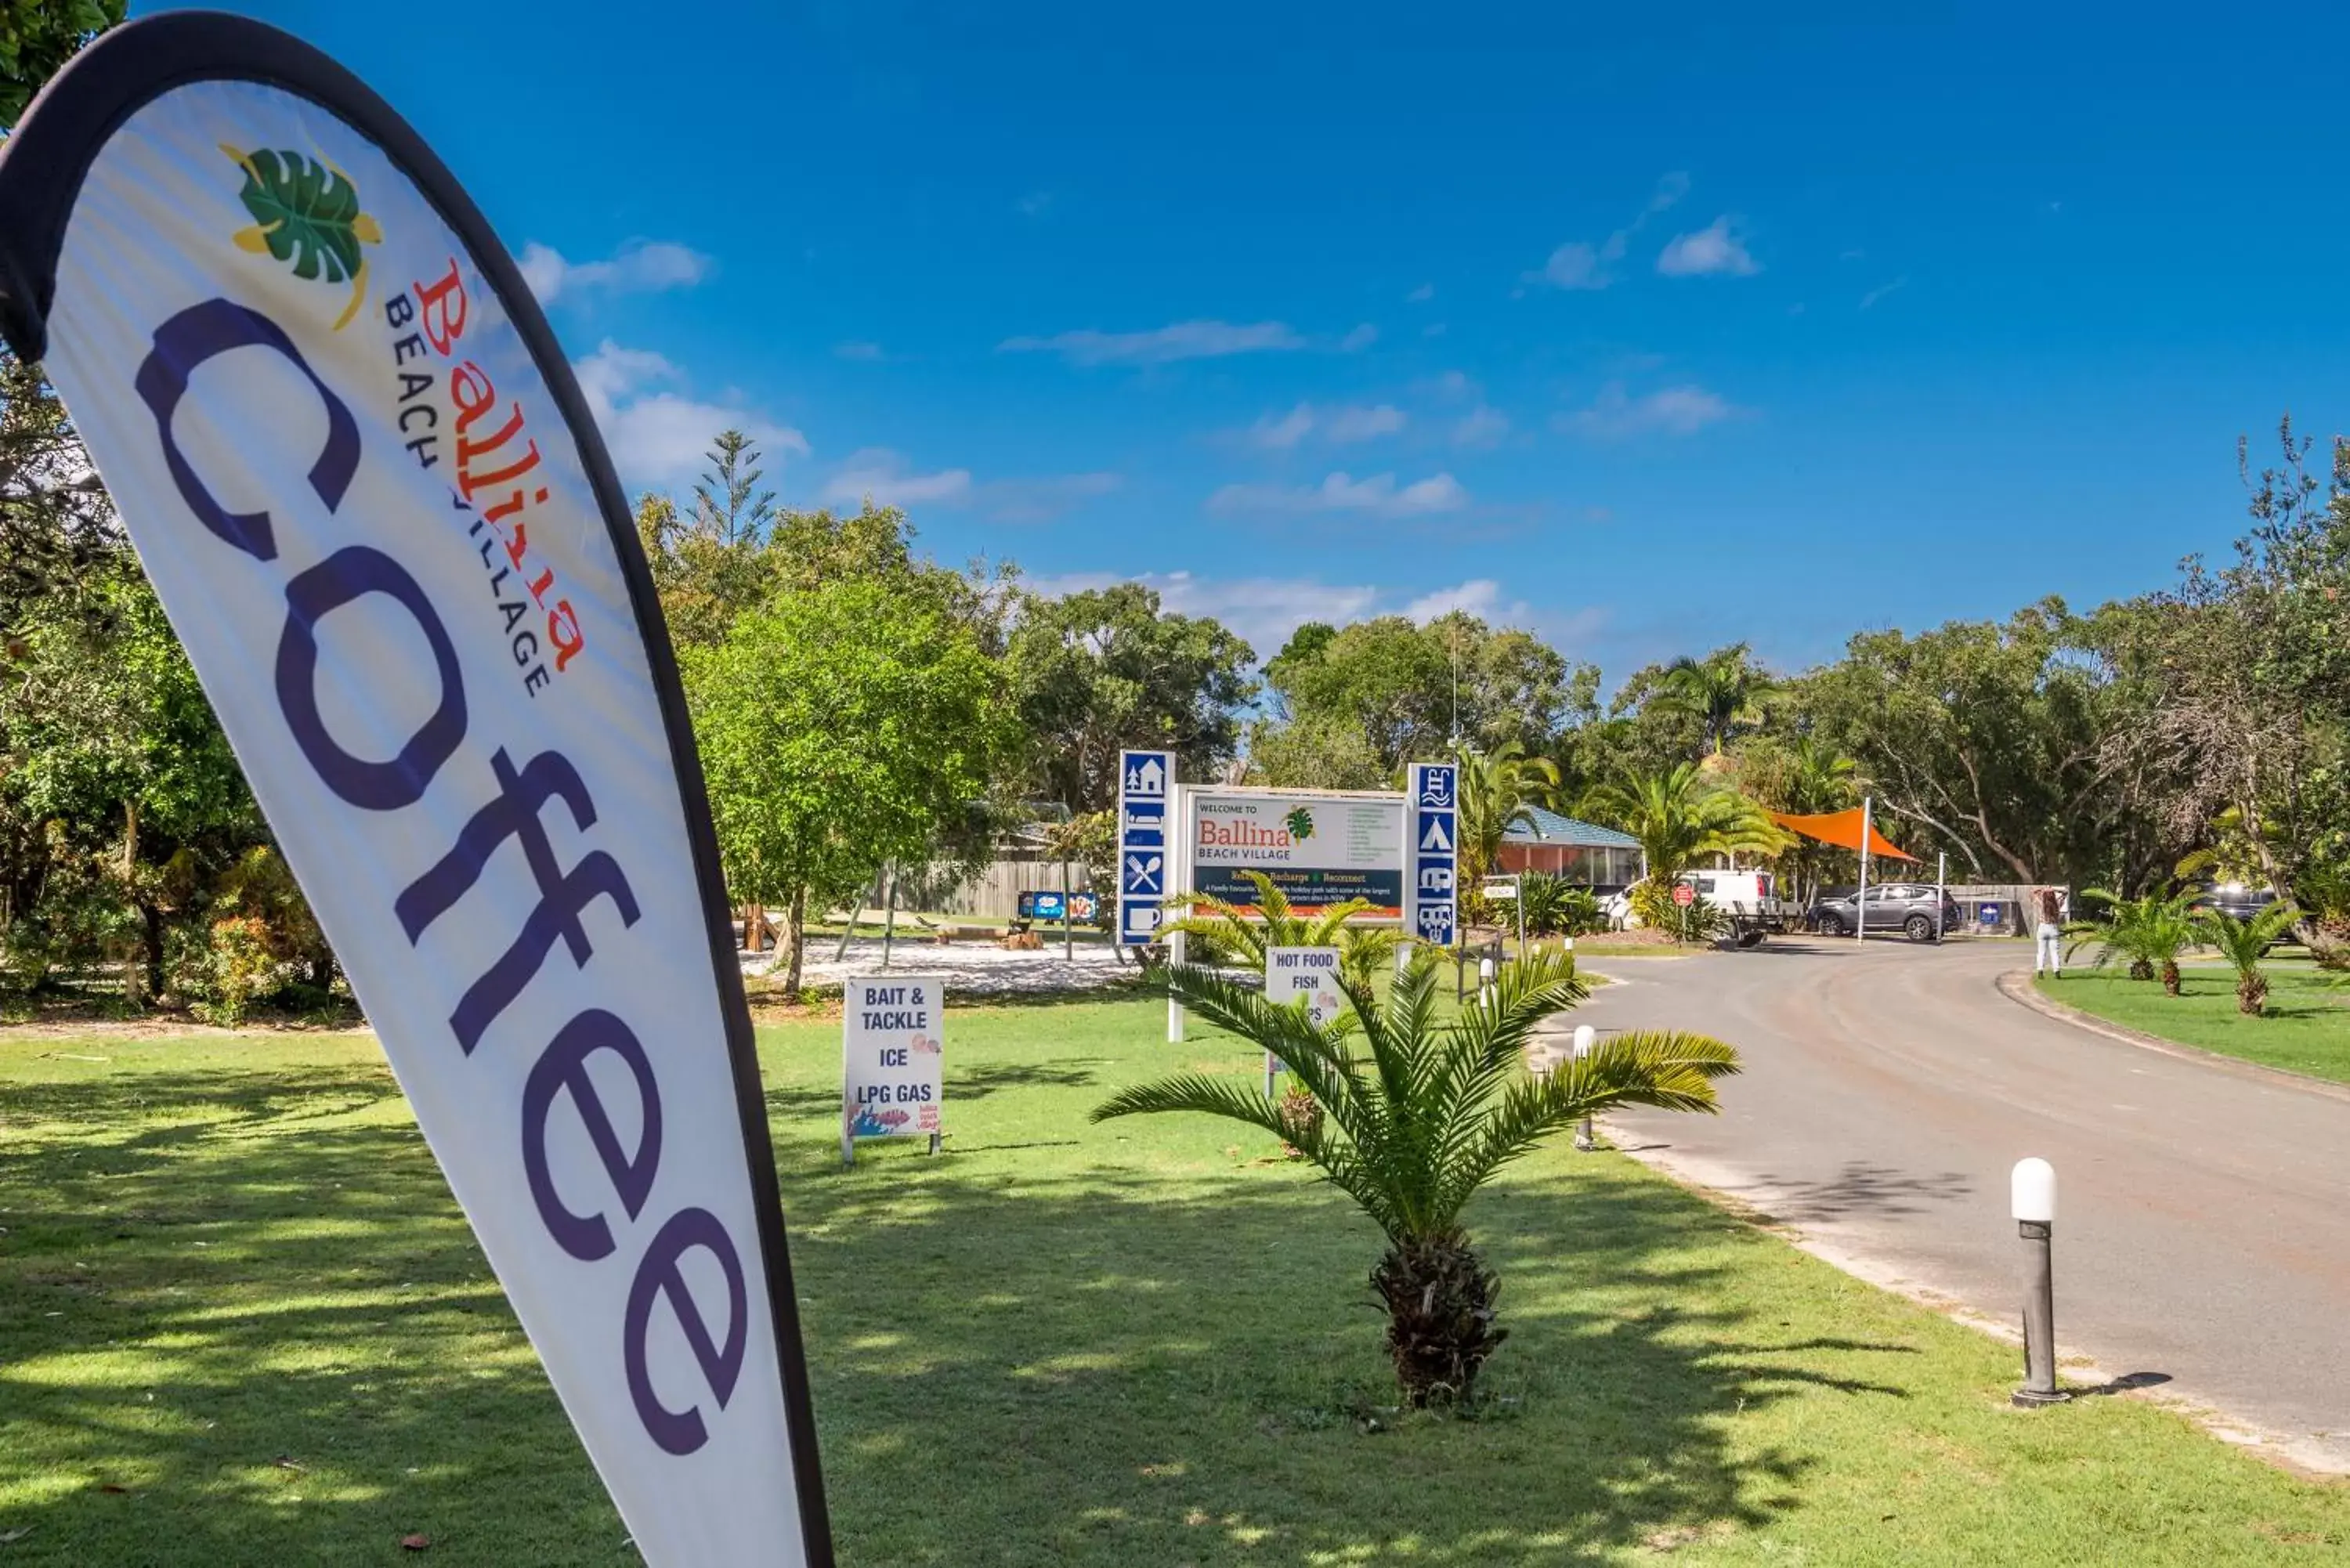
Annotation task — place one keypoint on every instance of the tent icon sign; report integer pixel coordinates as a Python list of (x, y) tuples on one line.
[(1146, 776)]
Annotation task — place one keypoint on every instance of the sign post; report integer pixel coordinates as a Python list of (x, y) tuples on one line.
[(1145, 790), (1683, 897), (1309, 972), (892, 1059), (1432, 828)]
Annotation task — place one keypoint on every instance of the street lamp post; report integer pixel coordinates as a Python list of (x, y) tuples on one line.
[(2032, 1193)]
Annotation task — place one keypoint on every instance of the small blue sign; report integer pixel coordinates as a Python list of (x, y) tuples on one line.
[(1987, 914), (1143, 874)]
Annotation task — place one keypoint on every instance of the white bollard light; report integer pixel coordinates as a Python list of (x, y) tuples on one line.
[(2031, 1192), (1485, 983), (1585, 1037)]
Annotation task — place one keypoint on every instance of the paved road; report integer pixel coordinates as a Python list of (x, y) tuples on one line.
[(2203, 1214)]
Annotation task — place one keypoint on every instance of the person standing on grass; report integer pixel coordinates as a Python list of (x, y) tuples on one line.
[(2049, 954)]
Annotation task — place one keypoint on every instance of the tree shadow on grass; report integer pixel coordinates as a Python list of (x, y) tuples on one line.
[(1090, 1366)]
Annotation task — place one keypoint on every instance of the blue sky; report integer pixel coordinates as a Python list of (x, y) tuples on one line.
[(1647, 332)]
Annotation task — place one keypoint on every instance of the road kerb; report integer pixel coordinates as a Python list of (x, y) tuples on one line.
[(2017, 987)]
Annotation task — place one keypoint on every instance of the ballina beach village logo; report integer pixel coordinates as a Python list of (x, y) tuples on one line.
[(1300, 823), (306, 212)]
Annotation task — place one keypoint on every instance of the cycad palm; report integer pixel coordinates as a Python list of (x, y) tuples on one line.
[(2150, 931), (1364, 949), (2243, 943), (1421, 1115)]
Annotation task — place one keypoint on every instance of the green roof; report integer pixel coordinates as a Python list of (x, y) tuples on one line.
[(1549, 828)]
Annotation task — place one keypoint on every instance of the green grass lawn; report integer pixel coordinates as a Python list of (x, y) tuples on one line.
[(241, 1321), (2306, 1028)]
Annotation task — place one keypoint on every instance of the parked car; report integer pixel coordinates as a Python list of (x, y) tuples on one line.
[(2240, 901), (1905, 907), (2233, 899)]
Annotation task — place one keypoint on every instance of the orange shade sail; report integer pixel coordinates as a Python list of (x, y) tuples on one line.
[(1841, 828)]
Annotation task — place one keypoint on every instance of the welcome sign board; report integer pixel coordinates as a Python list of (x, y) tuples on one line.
[(1319, 847)]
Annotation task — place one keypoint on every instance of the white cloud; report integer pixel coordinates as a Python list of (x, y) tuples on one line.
[(890, 480), (1422, 294), (1034, 203), (1576, 265), (1349, 425), (1673, 410), (884, 476), (1378, 496), (1580, 264), (640, 266), (1481, 426), (1340, 426), (1162, 344), (1715, 250), (1266, 611), (1879, 292), (661, 436), (1361, 338), (867, 351)]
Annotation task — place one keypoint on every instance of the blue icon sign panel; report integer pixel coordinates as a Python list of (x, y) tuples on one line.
[(1145, 781), (1431, 843)]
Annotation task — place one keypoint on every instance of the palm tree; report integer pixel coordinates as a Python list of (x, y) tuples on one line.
[(1421, 1116), (2243, 943), (1499, 790), (1722, 690), (1679, 816), (2150, 931), (1231, 928)]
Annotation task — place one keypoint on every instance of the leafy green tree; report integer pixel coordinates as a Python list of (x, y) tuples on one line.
[(1409, 690), (37, 37), (111, 742), (2246, 671), (2243, 943), (841, 727), (1725, 691), (1106, 668), (1421, 1116), (1988, 735), (1499, 791), (1318, 753)]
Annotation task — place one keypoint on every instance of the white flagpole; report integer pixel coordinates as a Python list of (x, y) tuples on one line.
[(1860, 904)]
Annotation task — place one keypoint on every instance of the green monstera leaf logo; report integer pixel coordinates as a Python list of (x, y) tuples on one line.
[(1300, 823), (306, 212)]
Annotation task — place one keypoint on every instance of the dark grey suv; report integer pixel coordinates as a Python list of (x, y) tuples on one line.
[(1904, 906)]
